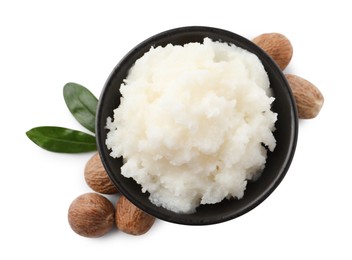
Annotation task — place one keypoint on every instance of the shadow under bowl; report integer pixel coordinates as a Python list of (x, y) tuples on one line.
[(277, 164)]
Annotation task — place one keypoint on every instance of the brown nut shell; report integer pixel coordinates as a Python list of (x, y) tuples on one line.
[(91, 215), (97, 178), (131, 219), (309, 99), (277, 46)]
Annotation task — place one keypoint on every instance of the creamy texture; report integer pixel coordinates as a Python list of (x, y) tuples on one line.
[(194, 123)]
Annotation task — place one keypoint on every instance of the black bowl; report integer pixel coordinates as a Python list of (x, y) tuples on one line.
[(277, 163)]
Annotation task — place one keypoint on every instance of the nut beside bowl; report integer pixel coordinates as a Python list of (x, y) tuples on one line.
[(277, 163)]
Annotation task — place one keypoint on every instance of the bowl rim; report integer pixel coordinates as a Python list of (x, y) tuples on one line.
[(178, 219)]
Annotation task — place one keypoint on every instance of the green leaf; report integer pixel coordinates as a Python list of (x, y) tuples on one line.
[(82, 104), (62, 140)]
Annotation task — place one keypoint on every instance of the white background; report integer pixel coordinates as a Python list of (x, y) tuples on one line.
[(45, 44)]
